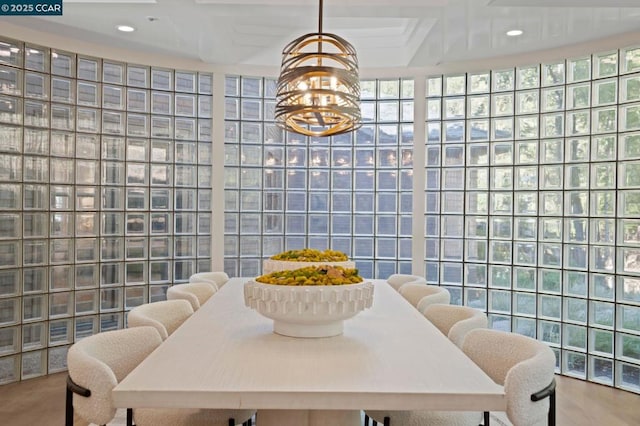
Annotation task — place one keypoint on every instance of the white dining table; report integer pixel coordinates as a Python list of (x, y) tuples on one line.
[(226, 355)]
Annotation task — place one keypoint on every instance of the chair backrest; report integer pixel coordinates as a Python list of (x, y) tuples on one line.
[(522, 364), (99, 362), (164, 316), (216, 278), (422, 295), (195, 293), (398, 280), (455, 321)]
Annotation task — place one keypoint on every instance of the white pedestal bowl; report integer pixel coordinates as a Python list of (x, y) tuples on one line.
[(308, 311)]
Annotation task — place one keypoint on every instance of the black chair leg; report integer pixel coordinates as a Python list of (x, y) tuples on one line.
[(68, 416), (387, 421), (129, 416), (375, 423), (486, 419), (232, 422), (552, 409)]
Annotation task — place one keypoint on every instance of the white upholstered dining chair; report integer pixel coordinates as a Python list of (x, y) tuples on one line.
[(398, 280), (455, 321), (524, 366), (216, 278), (195, 293), (98, 363), (423, 295), (165, 316)]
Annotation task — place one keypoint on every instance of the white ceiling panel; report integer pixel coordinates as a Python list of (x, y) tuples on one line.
[(386, 33)]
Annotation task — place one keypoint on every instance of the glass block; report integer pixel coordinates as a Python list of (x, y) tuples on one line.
[(110, 299), (528, 77), (88, 120), (88, 94), (10, 283), (137, 174), (629, 174), (185, 105), (185, 129), (63, 63), (627, 318), (502, 104), (36, 58), (575, 310), (34, 364), (575, 257), (36, 197), (550, 280), (502, 153), (162, 103), (34, 336), (10, 110), (251, 87), (574, 363), (137, 76), (628, 347), (629, 203), (63, 117), (578, 69), (186, 82), (627, 376), (629, 60), (629, 148), (502, 129), (550, 255), (629, 117), (11, 81), (576, 203), (135, 273), (501, 178), (503, 80), (602, 259), (9, 342), (57, 359), (232, 86), (34, 308), (35, 252), (135, 296), (577, 176), (630, 88), (628, 260), (605, 64), (500, 301), (36, 113)]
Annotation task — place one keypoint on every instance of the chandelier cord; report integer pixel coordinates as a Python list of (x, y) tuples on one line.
[(320, 32)]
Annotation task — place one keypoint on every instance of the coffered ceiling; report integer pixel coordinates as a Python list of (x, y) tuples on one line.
[(386, 33)]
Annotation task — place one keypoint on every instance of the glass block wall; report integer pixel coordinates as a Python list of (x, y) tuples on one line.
[(105, 196), (533, 205), (351, 192)]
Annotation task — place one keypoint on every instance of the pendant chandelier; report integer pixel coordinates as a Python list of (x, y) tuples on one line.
[(318, 91)]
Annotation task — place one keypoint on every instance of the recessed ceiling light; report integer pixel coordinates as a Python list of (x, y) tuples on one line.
[(125, 28), (514, 33)]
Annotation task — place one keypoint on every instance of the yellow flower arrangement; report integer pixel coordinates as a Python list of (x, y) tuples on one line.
[(312, 275), (311, 255)]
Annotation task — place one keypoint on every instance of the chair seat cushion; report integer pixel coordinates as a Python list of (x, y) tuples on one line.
[(431, 418), (188, 417)]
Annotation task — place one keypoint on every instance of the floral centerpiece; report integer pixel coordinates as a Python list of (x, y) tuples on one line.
[(296, 259), (312, 275), (309, 302)]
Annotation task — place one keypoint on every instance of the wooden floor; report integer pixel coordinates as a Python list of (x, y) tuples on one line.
[(41, 402)]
